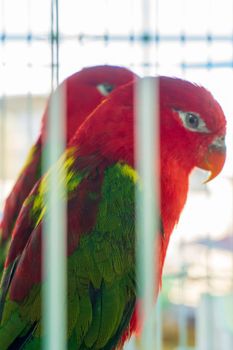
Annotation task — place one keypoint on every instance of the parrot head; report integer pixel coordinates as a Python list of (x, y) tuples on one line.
[(85, 90), (193, 125), (192, 134)]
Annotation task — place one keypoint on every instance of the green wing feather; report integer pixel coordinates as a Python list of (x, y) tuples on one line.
[(101, 287)]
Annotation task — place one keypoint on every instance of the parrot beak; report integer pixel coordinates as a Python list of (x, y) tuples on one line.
[(215, 158)]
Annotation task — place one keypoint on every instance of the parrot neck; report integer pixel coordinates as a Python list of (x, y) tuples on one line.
[(174, 190)]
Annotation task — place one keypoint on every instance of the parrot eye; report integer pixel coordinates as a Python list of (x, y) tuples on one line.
[(193, 122), (105, 88)]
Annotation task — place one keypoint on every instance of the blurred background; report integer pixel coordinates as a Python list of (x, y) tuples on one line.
[(192, 39)]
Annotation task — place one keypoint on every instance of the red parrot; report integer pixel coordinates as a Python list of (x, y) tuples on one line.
[(101, 180), (84, 91)]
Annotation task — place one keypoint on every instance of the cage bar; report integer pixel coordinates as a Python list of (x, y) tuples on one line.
[(54, 233), (2, 115), (147, 203)]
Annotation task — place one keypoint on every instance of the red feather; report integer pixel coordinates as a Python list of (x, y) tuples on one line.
[(82, 96), (107, 137)]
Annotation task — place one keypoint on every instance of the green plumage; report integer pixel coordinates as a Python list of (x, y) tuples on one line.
[(101, 288)]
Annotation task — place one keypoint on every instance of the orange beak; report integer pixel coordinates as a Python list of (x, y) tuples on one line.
[(215, 158)]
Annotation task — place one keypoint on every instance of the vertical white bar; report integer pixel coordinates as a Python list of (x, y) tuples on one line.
[(29, 117), (54, 234), (2, 149), (182, 323), (209, 334), (54, 230), (147, 202), (158, 324), (149, 23), (205, 324), (2, 114), (182, 319)]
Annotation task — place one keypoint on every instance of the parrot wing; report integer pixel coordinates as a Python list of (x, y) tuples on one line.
[(101, 262), (30, 173)]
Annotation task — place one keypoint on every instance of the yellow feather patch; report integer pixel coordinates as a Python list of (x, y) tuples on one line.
[(66, 175), (130, 172)]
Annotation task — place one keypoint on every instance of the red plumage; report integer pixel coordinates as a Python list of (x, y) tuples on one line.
[(105, 138), (84, 91)]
